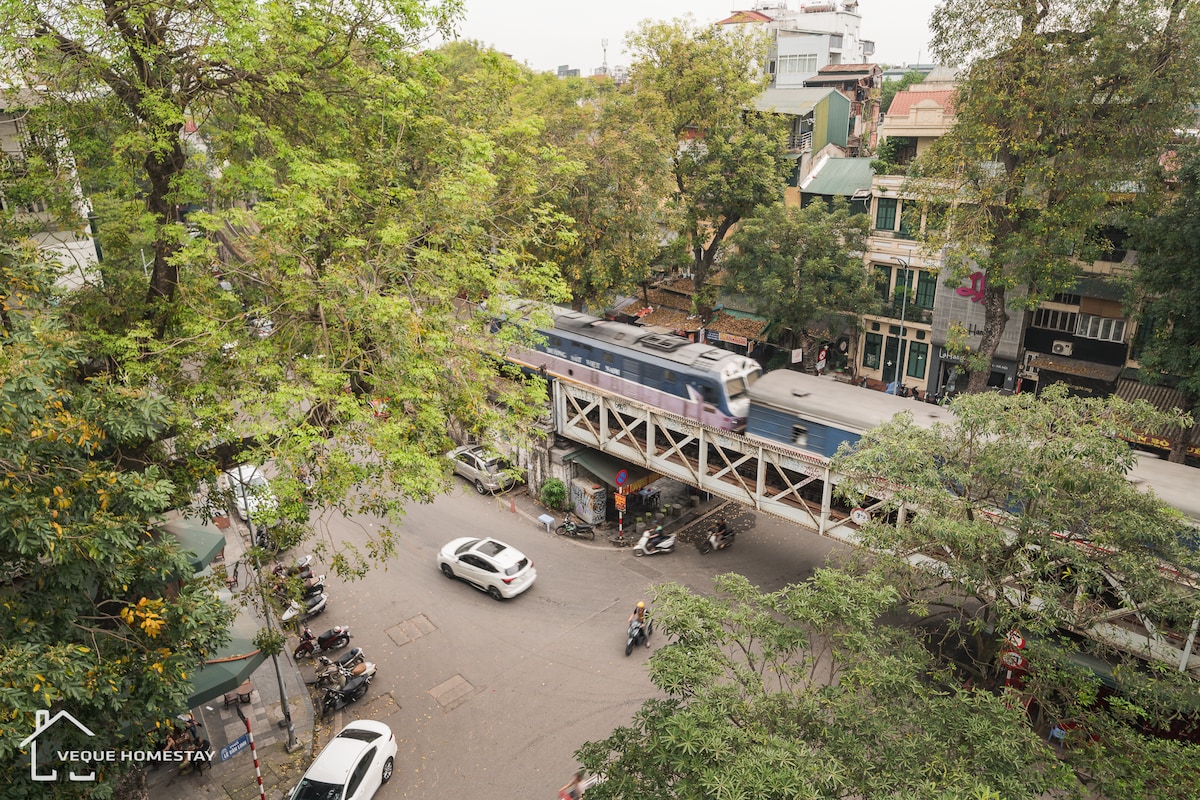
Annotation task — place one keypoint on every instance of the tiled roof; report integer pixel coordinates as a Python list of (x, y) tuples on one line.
[(747, 327), (670, 318), (903, 102), (744, 16)]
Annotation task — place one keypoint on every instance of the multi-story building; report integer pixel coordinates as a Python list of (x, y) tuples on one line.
[(861, 84), (806, 38)]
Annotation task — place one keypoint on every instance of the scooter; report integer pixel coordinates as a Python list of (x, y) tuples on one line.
[(312, 607), (353, 691), (332, 639), (301, 569), (337, 676), (718, 538), (638, 634), (644, 548), (579, 530), (310, 588)]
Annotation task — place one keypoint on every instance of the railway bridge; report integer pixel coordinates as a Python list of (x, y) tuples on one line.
[(775, 479)]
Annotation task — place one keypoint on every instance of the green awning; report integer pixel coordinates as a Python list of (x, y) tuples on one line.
[(230, 665), (203, 542), (606, 468)]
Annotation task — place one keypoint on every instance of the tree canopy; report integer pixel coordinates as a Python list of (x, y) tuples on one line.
[(1060, 104), (1020, 517), (697, 85), (802, 268), (808, 693), (1166, 285)]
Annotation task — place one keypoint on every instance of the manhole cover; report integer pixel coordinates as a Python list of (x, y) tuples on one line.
[(453, 692), (411, 629)]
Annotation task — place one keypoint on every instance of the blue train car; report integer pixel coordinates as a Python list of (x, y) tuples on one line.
[(818, 414)]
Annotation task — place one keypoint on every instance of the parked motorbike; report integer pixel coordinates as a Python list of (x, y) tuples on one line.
[(639, 633), (333, 674), (718, 538), (309, 588), (301, 569), (335, 698), (306, 609), (332, 639), (654, 542), (576, 528)]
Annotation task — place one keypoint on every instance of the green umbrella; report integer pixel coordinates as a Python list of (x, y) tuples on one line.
[(230, 665)]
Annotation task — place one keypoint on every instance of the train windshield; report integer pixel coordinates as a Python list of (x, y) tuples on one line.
[(737, 386)]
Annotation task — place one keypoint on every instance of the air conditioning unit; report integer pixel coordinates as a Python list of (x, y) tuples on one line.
[(1063, 348)]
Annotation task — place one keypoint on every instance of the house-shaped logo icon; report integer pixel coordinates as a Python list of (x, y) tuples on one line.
[(43, 722)]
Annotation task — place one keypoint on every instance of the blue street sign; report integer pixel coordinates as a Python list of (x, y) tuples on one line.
[(622, 477), (236, 746)]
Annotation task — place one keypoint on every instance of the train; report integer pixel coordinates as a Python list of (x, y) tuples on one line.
[(696, 381), (818, 414)]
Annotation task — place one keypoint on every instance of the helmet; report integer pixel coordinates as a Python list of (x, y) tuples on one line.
[(641, 604), (658, 529)]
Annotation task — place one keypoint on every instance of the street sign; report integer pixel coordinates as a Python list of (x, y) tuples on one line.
[(619, 499), (622, 477), (1015, 639), (236, 746), (859, 516)]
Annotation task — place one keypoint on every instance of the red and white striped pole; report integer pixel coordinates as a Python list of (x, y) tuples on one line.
[(262, 792)]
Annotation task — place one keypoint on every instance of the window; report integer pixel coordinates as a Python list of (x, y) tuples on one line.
[(1052, 319), (910, 220), (926, 289), (871, 350), (360, 772), (800, 435), (1066, 299), (918, 357), (608, 358), (1106, 329), (797, 65), (670, 377), (883, 281), (885, 214)]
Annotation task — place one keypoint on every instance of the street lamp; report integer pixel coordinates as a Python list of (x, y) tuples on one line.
[(262, 596)]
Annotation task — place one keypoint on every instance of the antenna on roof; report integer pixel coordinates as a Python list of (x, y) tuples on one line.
[(604, 49)]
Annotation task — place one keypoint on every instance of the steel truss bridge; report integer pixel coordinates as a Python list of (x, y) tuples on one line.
[(775, 479)]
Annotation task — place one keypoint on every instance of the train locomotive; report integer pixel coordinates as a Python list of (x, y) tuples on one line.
[(696, 381)]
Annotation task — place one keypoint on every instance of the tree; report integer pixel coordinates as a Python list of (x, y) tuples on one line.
[(802, 268), (913, 76), (697, 85), (1166, 285), (1059, 103), (98, 612), (615, 198), (1020, 517), (803, 693)]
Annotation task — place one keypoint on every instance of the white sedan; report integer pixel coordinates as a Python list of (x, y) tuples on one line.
[(489, 565), (352, 766)]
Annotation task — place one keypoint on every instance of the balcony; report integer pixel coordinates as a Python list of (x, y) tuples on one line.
[(800, 141)]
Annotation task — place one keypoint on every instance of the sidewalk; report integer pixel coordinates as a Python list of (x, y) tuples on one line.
[(235, 778)]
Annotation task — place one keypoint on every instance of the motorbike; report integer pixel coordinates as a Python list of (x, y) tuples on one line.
[(718, 538), (639, 633), (333, 674), (644, 547), (335, 698), (576, 528), (301, 569), (309, 588), (312, 606), (332, 639)]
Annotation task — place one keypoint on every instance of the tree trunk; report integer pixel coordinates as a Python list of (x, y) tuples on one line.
[(995, 315), (160, 202)]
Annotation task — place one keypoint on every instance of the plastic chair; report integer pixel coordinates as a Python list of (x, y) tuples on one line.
[(232, 580)]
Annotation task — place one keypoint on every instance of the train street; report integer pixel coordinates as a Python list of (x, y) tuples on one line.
[(496, 696)]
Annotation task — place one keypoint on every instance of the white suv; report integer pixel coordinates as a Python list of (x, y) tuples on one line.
[(352, 766)]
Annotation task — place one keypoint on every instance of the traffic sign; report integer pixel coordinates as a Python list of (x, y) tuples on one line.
[(622, 477), (620, 501), (1013, 660), (236, 746), (1015, 639)]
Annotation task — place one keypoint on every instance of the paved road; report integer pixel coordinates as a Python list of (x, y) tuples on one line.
[(494, 697)]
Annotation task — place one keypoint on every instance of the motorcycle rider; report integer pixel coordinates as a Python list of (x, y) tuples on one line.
[(640, 614), (656, 538), (722, 534)]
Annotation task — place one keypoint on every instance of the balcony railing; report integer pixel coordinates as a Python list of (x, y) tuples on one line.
[(800, 141)]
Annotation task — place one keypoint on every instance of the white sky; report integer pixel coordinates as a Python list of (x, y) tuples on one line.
[(547, 33)]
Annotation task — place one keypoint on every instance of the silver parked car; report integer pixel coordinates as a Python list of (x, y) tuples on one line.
[(487, 473)]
